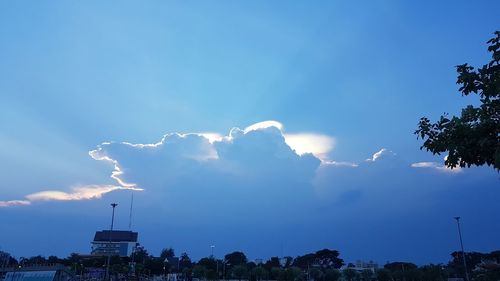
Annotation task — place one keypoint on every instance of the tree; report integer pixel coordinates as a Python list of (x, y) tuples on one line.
[(304, 261), (239, 271), (272, 262), (350, 274), (384, 274), (474, 137), (6, 259), (329, 258), (140, 255), (72, 259), (36, 260), (154, 265), (472, 259), (316, 274), (167, 253), (235, 258), (184, 261), (209, 263), (366, 275), (292, 274), (286, 261), (199, 271), (277, 273), (332, 275), (53, 260), (433, 273), (259, 272), (187, 273), (395, 266)]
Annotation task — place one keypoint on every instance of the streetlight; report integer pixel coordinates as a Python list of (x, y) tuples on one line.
[(109, 244), (212, 250), (216, 261), (224, 269), (462, 246)]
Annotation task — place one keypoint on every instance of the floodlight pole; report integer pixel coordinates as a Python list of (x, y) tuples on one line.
[(108, 277), (462, 246)]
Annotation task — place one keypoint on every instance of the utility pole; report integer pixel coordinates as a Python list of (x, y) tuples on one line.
[(462, 246), (108, 277)]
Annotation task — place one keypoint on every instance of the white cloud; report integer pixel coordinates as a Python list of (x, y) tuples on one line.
[(381, 154), (261, 153), (340, 164), (77, 193), (117, 172), (12, 203), (436, 166)]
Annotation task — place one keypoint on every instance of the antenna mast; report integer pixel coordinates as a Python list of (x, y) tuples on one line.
[(130, 217)]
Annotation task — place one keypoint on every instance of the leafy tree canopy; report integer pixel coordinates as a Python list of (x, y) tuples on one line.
[(273, 262), (332, 275), (209, 263), (239, 271), (474, 137), (185, 261), (400, 266), (328, 258), (167, 253), (235, 258)]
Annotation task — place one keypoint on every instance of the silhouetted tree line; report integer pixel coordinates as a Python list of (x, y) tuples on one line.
[(323, 265)]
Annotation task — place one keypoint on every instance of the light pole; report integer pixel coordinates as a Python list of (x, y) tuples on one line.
[(109, 244), (216, 261), (462, 246)]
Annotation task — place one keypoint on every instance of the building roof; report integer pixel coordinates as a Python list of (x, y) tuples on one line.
[(116, 236)]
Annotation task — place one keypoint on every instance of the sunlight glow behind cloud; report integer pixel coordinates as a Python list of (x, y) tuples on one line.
[(317, 144), (117, 172), (78, 193), (86, 192), (264, 125)]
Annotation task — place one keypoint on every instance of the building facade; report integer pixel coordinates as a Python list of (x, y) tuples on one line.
[(116, 243)]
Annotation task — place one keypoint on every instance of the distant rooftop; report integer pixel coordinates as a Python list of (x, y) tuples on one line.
[(116, 236)]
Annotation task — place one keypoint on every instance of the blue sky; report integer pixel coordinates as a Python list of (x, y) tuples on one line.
[(343, 79)]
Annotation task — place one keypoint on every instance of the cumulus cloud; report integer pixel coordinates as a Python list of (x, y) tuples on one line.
[(261, 156), (304, 142), (257, 149), (190, 168), (262, 185)]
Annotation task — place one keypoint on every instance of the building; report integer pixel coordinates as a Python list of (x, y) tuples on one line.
[(37, 273), (119, 242), (360, 266)]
